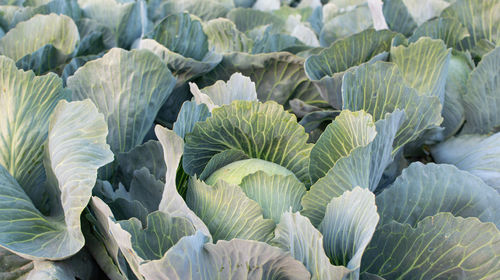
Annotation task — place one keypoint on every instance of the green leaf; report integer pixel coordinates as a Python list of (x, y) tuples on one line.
[(379, 88), (450, 30), (248, 19), (235, 259), (461, 65), (206, 9), (161, 233), (148, 155), (146, 189), (80, 266), (350, 22), (60, 7), (363, 167), (483, 95), (423, 10), (327, 68), (279, 42), (347, 132), (263, 131), (224, 37), (181, 34), (238, 87), (274, 193), (53, 40), (183, 68), (128, 87), (479, 17), (123, 18), (296, 234), (477, 154), (366, 45), (171, 202), (425, 190), (12, 266), (24, 96), (228, 212), (190, 114), (76, 137), (101, 242), (278, 76), (348, 226), (440, 246), (424, 66)]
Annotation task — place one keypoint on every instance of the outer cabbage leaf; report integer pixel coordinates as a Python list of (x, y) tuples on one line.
[(140, 244), (54, 41), (461, 65), (363, 167), (171, 202), (24, 96), (440, 246), (183, 68), (327, 68), (248, 19), (128, 87), (238, 87), (182, 34), (424, 66), (450, 30), (425, 190), (278, 76), (205, 9), (296, 234), (349, 223), (224, 37), (477, 154), (60, 7), (347, 132), (228, 212), (125, 19), (190, 114), (13, 266), (263, 131), (479, 17), (379, 88), (180, 41), (351, 21), (482, 99), (148, 155), (76, 137), (405, 15), (235, 259)]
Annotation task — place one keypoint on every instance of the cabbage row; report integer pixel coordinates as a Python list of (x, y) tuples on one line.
[(249, 139)]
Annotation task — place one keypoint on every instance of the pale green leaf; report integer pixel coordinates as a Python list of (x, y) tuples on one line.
[(76, 138), (296, 234), (477, 154), (53, 40), (440, 246), (347, 132), (482, 99), (128, 87), (235, 259), (228, 212), (425, 190), (274, 193)]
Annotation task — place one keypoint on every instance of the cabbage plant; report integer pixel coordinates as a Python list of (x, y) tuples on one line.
[(249, 139)]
